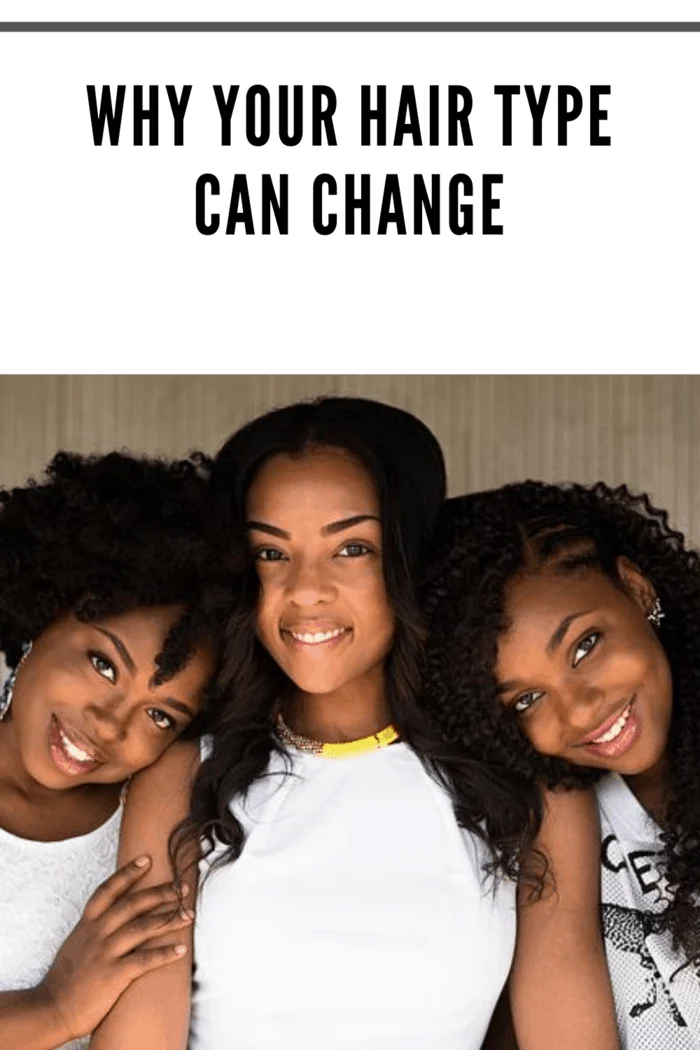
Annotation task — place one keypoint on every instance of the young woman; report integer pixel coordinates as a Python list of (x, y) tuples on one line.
[(566, 623), (346, 901), (109, 622)]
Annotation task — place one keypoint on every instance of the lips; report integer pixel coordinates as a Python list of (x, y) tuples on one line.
[(71, 751), (606, 726), (615, 736), (316, 632)]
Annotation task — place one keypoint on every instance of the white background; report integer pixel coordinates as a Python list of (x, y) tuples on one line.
[(103, 269)]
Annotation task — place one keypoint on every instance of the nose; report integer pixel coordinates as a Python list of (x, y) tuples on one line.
[(309, 583), (580, 708), (108, 721)]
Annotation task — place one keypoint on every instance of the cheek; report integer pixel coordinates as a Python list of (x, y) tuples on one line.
[(381, 619), (266, 608), (544, 733)]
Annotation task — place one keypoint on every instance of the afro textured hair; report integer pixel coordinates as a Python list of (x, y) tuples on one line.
[(101, 535)]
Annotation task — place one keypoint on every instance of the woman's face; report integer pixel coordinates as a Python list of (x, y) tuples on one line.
[(85, 708), (584, 669), (323, 611)]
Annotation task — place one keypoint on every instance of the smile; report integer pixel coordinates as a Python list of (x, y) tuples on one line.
[(69, 752), (315, 637), (617, 736), (615, 729)]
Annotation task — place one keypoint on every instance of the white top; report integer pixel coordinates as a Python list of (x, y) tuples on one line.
[(44, 887), (356, 918), (658, 1005)]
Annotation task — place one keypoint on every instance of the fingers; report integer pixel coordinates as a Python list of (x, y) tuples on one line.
[(162, 899), (138, 963), (112, 888), (146, 928)]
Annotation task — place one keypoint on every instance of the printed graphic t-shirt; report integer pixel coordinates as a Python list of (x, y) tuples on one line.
[(657, 997)]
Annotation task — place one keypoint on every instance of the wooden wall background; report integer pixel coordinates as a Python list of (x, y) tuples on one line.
[(640, 429)]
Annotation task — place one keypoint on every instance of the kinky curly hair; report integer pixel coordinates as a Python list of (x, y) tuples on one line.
[(406, 463), (101, 535), (484, 540)]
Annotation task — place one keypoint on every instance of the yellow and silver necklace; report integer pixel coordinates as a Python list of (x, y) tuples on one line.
[(373, 742)]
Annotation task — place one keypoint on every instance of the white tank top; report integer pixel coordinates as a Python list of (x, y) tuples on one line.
[(356, 918), (44, 887)]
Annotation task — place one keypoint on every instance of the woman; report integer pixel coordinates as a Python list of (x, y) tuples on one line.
[(345, 900), (110, 622), (566, 620)]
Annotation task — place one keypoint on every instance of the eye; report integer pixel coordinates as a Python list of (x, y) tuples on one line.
[(525, 701), (354, 550), (103, 666), (161, 719), (268, 554), (584, 647)]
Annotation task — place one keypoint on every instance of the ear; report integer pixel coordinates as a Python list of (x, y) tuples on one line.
[(638, 587)]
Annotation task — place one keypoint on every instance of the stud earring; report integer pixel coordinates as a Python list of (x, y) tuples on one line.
[(9, 686), (656, 614)]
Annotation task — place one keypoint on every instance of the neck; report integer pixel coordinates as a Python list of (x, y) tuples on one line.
[(358, 709), (650, 788)]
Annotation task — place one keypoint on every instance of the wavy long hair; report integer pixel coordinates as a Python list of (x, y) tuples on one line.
[(483, 541), (406, 463)]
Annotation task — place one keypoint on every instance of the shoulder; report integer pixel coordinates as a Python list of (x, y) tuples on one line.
[(172, 772), (570, 817), (158, 799)]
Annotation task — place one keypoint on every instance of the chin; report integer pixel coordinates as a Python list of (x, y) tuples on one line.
[(317, 686)]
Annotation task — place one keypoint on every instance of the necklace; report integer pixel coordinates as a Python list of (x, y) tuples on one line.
[(383, 738)]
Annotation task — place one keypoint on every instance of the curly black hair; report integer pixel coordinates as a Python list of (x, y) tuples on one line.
[(484, 539), (101, 535)]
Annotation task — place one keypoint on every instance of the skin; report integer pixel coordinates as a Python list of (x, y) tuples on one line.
[(314, 578), (95, 682), (564, 691), (315, 575), (315, 531)]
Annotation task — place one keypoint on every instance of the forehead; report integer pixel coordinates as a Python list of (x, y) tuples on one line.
[(327, 484), (534, 598), (146, 626)]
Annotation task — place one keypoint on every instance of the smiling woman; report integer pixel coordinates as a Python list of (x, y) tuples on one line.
[(110, 620), (342, 902), (567, 621)]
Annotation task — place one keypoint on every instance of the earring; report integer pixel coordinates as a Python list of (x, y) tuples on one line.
[(656, 614), (9, 686)]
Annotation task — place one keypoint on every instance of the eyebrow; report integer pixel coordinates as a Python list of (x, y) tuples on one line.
[(118, 644), (558, 636), (170, 701), (328, 530)]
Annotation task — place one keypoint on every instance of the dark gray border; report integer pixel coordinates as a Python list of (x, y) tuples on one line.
[(350, 27)]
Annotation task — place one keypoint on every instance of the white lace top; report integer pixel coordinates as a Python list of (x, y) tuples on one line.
[(44, 887)]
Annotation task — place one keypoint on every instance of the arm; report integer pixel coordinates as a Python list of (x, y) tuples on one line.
[(154, 1011), (108, 949), (30, 1019), (559, 987)]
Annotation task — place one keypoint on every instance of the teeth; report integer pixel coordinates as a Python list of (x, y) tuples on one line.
[(615, 729), (73, 750), (314, 638)]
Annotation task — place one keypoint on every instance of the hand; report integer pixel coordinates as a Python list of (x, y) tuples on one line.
[(105, 952)]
